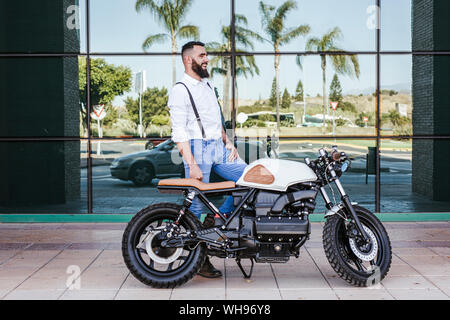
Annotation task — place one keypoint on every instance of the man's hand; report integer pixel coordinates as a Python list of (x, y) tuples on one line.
[(195, 172), (233, 151)]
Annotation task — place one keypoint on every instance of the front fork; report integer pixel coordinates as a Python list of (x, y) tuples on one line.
[(346, 203)]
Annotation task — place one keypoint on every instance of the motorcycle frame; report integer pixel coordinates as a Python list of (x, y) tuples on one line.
[(192, 192), (203, 196)]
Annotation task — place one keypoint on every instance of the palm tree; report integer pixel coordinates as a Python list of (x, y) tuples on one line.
[(342, 64), (245, 65), (273, 23), (170, 13)]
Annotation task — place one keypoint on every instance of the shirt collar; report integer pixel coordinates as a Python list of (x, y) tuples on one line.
[(192, 80)]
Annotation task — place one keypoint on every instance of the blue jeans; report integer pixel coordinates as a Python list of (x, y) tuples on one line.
[(212, 155)]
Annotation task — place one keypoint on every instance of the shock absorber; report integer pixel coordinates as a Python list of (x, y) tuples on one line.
[(186, 205)]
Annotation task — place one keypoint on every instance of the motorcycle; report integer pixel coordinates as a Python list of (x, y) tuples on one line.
[(164, 245)]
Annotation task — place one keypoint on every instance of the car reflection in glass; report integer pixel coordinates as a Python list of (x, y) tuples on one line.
[(164, 161)]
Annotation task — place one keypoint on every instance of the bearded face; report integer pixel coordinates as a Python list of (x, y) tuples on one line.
[(198, 69)]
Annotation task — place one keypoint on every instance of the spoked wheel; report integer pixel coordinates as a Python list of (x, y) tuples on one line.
[(152, 263), (359, 263)]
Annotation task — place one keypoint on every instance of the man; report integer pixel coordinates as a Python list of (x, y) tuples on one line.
[(203, 144)]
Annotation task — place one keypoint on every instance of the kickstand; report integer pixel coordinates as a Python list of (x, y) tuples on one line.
[(246, 276)]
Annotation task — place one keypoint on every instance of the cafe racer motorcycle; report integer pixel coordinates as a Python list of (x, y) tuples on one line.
[(165, 244)]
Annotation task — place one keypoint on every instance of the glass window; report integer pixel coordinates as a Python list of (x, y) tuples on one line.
[(126, 172), (358, 181), (396, 101), (40, 97), (118, 109), (119, 26), (301, 96), (350, 20), (415, 95), (414, 176), (43, 177), (396, 25), (42, 26)]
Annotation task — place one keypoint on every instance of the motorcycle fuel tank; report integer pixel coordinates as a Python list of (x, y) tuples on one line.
[(275, 174)]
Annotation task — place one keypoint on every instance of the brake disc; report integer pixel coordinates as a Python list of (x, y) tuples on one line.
[(361, 253), (162, 255)]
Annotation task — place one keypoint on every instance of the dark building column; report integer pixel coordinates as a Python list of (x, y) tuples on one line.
[(431, 98), (39, 97)]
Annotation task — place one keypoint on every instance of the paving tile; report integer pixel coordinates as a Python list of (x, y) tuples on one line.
[(421, 260), (14, 246), (18, 272), (144, 294), (426, 260), (363, 294), (106, 278), (48, 281), (30, 258), (442, 282), (302, 281), (413, 252), (6, 285), (418, 294), (89, 294), (198, 294), (408, 282), (198, 282), (132, 283), (402, 270), (443, 251), (254, 294), (308, 294), (34, 294)]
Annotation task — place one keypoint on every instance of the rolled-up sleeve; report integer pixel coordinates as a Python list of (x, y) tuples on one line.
[(178, 114)]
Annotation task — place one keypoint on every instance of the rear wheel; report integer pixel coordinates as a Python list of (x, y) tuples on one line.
[(148, 260), (360, 264)]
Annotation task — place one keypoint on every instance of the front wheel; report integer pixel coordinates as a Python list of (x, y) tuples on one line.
[(145, 256), (360, 264)]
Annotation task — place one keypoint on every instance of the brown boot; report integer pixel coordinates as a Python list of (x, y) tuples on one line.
[(208, 270)]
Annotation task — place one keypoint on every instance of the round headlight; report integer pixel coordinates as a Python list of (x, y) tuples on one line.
[(344, 167)]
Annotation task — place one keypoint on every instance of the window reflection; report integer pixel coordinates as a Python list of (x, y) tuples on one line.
[(302, 94), (396, 95), (352, 17), (410, 180), (118, 102), (43, 177), (128, 26)]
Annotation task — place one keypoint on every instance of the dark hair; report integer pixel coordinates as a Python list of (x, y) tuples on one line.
[(190, 45)]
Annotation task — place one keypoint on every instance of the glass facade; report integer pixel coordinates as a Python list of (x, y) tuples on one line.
[(84, 123)]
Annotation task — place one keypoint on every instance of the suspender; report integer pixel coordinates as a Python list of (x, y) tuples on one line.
[(197, 116)]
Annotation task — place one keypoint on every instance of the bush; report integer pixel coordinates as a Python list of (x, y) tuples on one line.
[(287, 123), (347, 106), (254, 123), (267, 117), (337, 122), (360, 122)]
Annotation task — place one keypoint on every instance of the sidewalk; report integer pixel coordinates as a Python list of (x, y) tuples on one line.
[(37, 260)]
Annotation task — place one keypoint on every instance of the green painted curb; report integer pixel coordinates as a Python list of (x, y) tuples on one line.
[(124, 218), (65, 218)]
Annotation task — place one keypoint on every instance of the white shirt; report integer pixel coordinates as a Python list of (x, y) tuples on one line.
[(182, 116)]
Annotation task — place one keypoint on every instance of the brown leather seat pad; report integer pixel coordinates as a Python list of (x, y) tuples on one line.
[(197, 184)]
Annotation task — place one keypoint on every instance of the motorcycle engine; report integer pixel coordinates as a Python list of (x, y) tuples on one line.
[(275, 222)]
